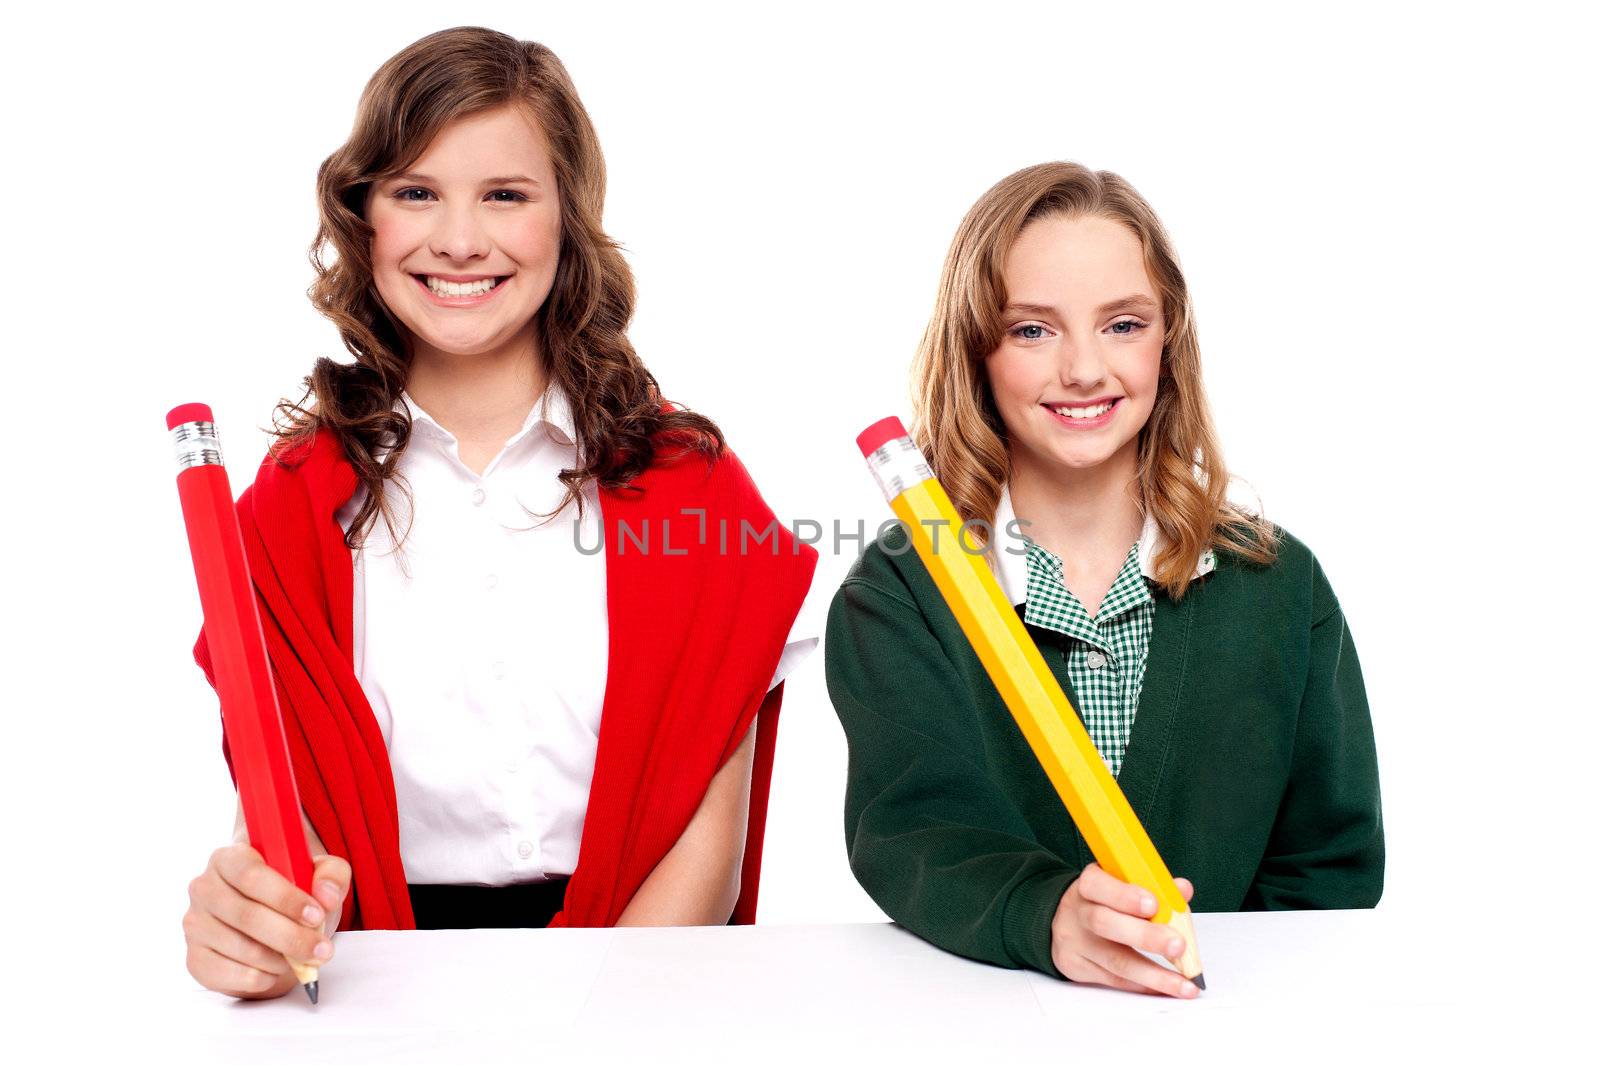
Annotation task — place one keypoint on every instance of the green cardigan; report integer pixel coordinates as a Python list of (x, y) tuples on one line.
[(1251, 762)]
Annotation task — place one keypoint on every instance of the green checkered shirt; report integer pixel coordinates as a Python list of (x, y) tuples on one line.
[(1106, 656)]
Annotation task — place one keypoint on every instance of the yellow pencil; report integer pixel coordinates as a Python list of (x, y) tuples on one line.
[(1047, 719)]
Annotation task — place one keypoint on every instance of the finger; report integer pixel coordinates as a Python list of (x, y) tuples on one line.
[(1185, 887), (1084, 971), (226, 975), (204, 930), (1123, 961), (243, 869), (267, 926), (1135, 932), (1097, 885)]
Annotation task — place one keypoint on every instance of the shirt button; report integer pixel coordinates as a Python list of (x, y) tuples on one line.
[(490, 581), (1096, 660), (524, 848), (478, 497)]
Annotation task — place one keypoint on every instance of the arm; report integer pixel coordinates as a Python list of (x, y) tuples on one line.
[(698, 880), (1326, 850), (931, 836)]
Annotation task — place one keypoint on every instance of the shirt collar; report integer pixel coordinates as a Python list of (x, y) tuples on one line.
[(1011, 558), (553, 408)]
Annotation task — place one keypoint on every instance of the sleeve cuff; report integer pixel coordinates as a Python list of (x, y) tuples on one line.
[(793, 654), (1029, 911), (804, 634)]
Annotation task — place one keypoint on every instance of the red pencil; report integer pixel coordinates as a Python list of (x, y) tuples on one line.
[(250, 714)]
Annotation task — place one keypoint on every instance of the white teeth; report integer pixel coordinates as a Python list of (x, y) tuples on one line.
[(451, 288), (1084, 412)]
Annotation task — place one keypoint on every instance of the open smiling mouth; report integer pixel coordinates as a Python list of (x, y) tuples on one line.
[(457, 290), (1083, 415)]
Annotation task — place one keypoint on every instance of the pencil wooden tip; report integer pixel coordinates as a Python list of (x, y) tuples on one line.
[(311, 991), (1199, 981)]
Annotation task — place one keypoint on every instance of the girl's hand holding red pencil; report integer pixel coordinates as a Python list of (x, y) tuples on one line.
[(1099, 928), (244, 917)]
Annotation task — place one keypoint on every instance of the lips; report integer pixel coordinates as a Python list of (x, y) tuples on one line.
[(1055, 409)]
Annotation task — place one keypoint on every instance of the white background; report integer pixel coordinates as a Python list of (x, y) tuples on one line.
[(1387, 219)]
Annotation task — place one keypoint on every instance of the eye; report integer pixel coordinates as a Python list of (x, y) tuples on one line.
[(1028, 331), (405, 195), (1127, 326)]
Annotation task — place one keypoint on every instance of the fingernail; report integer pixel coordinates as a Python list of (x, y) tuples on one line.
[(323, 951), (328, 893), (1189, 990), (311, 915), (1174, 947), (1147, 904)]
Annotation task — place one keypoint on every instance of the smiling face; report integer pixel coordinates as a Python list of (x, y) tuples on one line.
[(466, 241), (1074, 376)]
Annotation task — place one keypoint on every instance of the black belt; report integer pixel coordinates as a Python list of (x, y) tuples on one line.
[(528, 905)]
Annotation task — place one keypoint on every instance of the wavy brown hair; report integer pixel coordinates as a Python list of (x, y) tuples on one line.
[(622, 425), (1182, 478)]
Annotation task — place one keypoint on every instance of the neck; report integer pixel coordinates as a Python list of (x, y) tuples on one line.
[(475, 395), (1077, 514)]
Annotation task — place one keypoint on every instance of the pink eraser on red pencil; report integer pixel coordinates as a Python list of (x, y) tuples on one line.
[(880, 433), (188, 412)]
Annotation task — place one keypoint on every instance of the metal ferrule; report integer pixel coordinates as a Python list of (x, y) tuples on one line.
[(897, 466), (196, 444)]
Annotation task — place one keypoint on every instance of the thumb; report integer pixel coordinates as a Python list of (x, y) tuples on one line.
[(330, 880)]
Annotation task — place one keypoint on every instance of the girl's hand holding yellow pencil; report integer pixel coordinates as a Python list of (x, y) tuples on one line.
[(245, 918), (1099, 928)]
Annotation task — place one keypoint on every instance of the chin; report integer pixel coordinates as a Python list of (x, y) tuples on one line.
[(1081, 460)]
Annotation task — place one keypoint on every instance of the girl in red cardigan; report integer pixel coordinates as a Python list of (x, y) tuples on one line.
[(530, 664)]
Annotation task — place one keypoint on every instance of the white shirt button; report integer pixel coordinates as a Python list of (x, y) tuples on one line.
[(524, 848), (490, 581), (478, 497), (1096, 660)]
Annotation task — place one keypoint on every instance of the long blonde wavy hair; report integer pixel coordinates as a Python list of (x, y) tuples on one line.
[(1182, 478)]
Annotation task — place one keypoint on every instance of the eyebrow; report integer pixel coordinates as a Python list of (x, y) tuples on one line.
[(1126, 303), (509, 179)]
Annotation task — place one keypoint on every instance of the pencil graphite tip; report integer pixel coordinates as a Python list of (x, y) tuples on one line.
[(311, 991), (1199, 981)]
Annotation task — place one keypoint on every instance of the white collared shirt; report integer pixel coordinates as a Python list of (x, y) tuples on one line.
[(482, 646), (1011, 560)]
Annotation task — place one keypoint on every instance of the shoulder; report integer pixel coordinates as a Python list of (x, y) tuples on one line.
[(889, 566), (716, 503), (307, 474), (1295, 576), (685, 476), (682, 475)]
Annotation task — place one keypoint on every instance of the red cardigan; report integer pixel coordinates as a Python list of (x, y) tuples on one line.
[(696, 630)]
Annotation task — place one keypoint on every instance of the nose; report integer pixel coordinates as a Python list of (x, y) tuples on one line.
[(1080, 366), (459, 234)]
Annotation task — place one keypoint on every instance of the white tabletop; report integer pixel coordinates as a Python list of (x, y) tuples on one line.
[(1287, 986)]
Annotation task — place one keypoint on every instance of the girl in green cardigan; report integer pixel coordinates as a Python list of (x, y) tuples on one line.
[(1058, 399)]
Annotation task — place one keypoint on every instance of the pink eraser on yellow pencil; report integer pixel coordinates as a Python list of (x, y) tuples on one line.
[(880, 433)]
